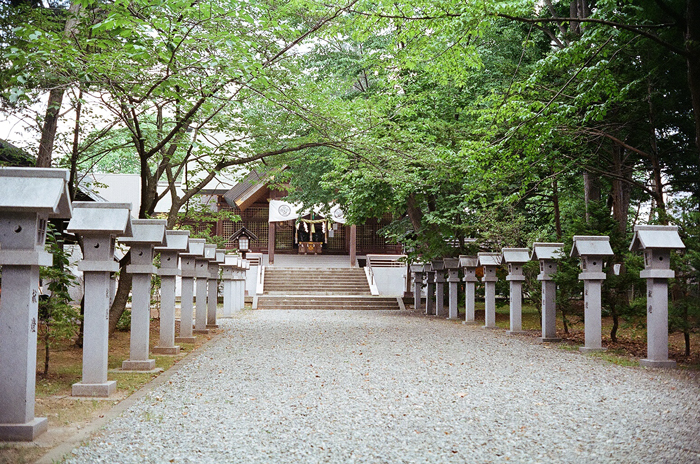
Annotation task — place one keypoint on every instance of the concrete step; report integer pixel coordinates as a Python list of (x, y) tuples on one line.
[(309, 302), (341, 281)]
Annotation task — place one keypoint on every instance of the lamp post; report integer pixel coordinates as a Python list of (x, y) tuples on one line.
[(243, 236)]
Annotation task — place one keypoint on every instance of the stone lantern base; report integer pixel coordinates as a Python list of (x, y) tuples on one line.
[(185, 339), (24, 432), (141, 365), (166, 350), (94, 390), (549, 339), (665, 364), (584, 349)]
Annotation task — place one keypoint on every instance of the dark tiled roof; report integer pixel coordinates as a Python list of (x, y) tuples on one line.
[(10, 155), (252, 179)]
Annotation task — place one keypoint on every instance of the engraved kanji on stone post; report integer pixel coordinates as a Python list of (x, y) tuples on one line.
[(189, 270), (469, 265), (547, 255), (490, 262), (452, 266), (592, 250), (147, 234), (29, 197), (657, 242), (176, 242), (98, 224), (516, 258), (418, 270)]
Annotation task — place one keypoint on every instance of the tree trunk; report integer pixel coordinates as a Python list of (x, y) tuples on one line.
[(53, 109), (620, 189), (692, 46), (591, 191), (48, 129), (557, 212)]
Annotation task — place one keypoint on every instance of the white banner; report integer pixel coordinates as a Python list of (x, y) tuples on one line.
[(284, 211)]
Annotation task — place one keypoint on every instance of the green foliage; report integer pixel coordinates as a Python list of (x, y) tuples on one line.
[(58, 318)]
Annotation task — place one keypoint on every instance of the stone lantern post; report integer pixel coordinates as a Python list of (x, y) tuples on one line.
[(147, 233), (98, 224), (547, 254), (227, 273), (202, 274), (516, 258), (430, 289), (213, 290), (657, 242), (189, 270), (28, 198), (592, 250), (417, 270), (469, 265), (177, 241), (245, 266), (452, 266), (490, 261), (439, 268)]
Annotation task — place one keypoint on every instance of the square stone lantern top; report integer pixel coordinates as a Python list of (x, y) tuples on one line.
[(220, 255), (661, 237), (175, 240), (210, 252), (489, 258), (546, 251), (515, 255), (35, 190), (417, 267), (232, 260), (100, 218), (451, 263), (591, 245), (146, 232), (437, 265), (468, 261), (196, 248)]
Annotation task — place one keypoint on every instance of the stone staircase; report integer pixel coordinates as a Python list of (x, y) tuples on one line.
[(304, 288)]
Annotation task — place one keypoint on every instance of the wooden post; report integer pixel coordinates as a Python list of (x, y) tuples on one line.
[(271, 243), (353, 245)]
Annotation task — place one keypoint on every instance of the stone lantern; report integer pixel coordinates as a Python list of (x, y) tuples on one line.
[(469, 265), (592, 250), (177, 241), (98, 224), (213, 289), (490, 262), (657, 242), (547, 254), (429, 289), (228, 268), (29, 197), (439, 268), (203, 275), (418, 270), (189, 270), (452, 266), (516, 258), (147, 234), (245, 267)]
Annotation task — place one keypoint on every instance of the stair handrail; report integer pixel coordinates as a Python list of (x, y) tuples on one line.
[(261, 280)]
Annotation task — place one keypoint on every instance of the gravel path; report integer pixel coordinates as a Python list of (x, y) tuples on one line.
[(355, 386)]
